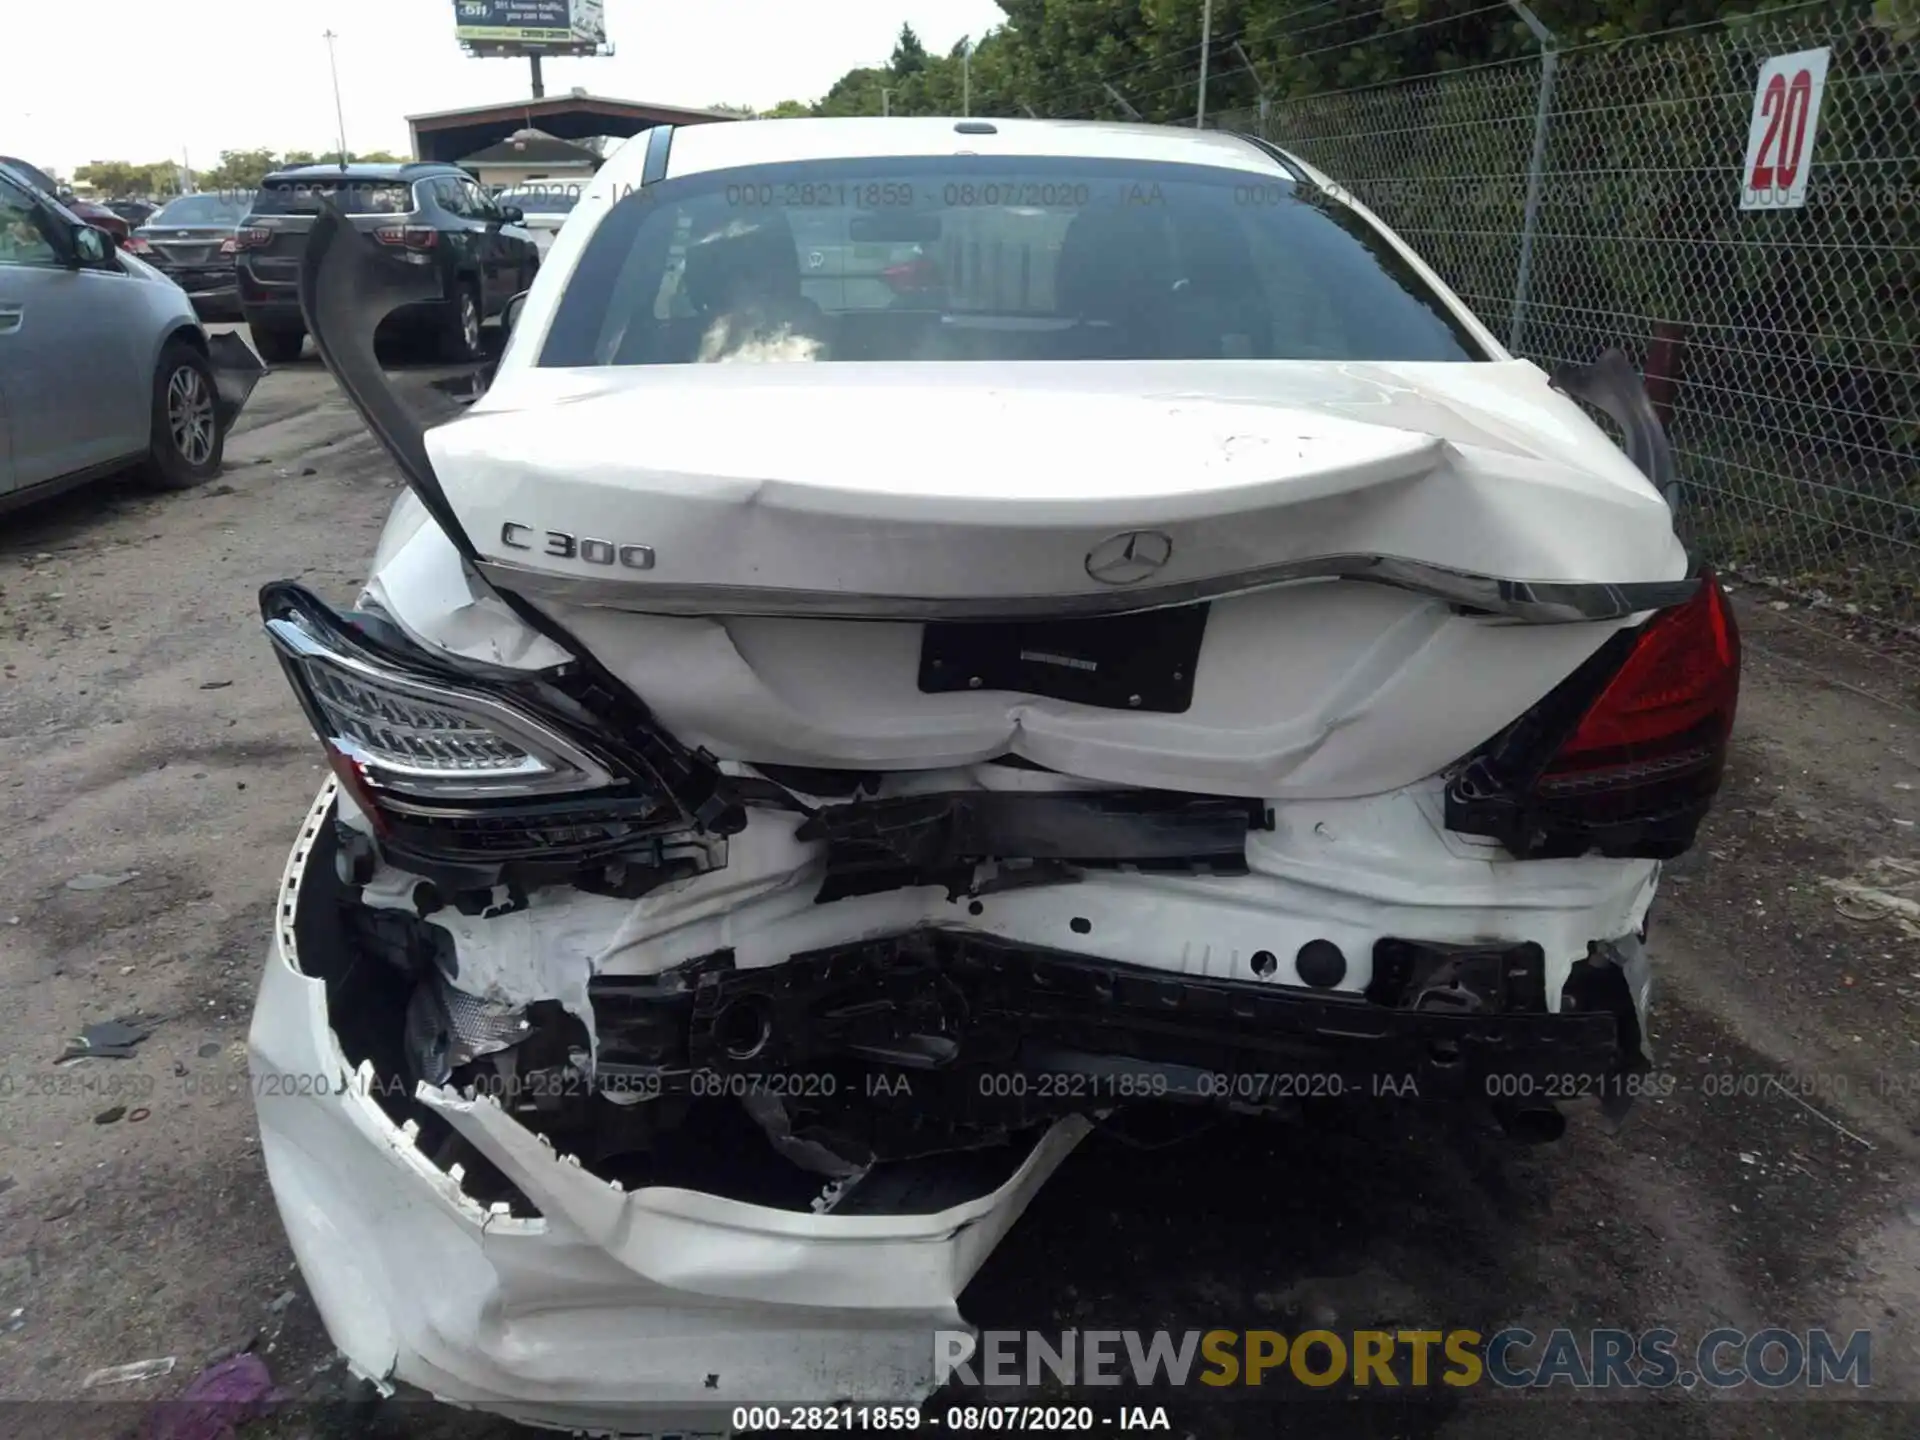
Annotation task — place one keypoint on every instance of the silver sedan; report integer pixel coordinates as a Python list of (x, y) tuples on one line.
[(103, 363)]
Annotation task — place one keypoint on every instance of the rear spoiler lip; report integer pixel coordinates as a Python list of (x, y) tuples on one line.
[(1535, 602)]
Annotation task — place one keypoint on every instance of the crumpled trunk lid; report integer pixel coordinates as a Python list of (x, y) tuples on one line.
[(821, 489), (915, 567)]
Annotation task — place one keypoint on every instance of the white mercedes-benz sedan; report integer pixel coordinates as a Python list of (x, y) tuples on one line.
[(941, 634)]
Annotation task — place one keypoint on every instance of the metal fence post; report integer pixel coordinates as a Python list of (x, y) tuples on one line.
[(1549, 60)]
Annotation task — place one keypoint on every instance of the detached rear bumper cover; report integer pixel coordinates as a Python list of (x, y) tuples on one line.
[(608, 1300), (665, 1298)]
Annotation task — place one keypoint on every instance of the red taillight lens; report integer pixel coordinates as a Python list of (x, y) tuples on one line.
[(411, 237), (253, 239), (1679, 686), (137, 245), (912, 276), (353, 781), (1625, 756), (228, 246)]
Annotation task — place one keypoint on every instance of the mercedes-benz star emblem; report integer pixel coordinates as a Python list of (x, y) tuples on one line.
[(1126, 558)]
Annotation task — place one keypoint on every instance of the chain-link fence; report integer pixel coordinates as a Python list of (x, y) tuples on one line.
[(1784, 344)]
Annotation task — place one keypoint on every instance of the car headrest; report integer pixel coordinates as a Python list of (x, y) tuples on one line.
[(1112, 260), (743, 260)]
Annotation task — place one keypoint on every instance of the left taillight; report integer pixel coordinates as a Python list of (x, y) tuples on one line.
[(136, 245), (1625, 757), (419, 739)]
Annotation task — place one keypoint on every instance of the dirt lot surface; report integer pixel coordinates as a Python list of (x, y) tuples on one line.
[(153, 767)]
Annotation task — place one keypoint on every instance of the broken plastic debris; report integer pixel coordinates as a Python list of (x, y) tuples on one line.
[(104, 1040), (95, 881), (220, 1397), (1887, 889), (127, 1374)]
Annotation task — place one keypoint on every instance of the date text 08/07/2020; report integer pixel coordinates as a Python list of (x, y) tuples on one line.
[(955, 1419)]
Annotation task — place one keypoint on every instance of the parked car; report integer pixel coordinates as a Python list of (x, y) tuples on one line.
[(191, 240), (135, 212), (544, 206), (102, 361), (87, 210), (428, 215), (798, 767)]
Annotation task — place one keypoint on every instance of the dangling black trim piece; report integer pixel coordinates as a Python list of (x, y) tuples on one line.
[(348, 285), (1612, 386)]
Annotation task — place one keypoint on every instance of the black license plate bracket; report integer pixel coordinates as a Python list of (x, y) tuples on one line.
[(1115, 662)]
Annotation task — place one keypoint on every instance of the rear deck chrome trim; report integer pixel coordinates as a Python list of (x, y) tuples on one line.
[(1533, 602)]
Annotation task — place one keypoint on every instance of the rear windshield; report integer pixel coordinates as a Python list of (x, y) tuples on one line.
[(993, 258), (200, 210), (535, 200), (302, 196)]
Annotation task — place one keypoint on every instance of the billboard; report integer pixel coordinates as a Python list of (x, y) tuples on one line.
[(536, 24)]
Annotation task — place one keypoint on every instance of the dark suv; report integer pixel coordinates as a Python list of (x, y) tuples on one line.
[(430, 214)]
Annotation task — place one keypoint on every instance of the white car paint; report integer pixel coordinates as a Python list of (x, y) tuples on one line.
[(1336, 702)]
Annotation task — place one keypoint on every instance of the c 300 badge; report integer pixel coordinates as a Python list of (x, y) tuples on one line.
[(562, 546)]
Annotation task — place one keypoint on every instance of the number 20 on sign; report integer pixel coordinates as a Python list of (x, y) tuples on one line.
[(1786, 116)]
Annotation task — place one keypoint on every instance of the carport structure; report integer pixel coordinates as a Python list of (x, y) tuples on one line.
[(452, 135)]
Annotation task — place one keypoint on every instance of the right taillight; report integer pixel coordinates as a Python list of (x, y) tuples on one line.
[(1673, 698), (254, 237), (1625, 757), (411, 237)]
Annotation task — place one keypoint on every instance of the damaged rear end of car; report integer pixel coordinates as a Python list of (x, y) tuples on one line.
[(756, 853)]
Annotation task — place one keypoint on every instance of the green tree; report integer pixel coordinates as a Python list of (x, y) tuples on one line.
[(119, 177), (238, 170), (909, 55), (787, 110)]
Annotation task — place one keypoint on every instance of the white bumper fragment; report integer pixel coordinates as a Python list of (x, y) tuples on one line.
[(655, 1302)]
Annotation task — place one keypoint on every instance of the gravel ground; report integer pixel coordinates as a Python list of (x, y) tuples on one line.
[(147, 740)]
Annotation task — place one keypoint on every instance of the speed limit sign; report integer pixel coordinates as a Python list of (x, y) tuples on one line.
[(1786, 116)]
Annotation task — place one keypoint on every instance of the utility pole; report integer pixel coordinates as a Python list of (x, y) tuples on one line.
[(1206, 46), (886, 101), (1266, 95), (339, 116), (539, 81), (966, 76)]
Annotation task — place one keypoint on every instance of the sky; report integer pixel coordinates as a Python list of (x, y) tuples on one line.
[(131, 80)]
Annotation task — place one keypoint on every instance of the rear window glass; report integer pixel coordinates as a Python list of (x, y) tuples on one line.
[(993, 258), (200, 210), (302, 196)]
